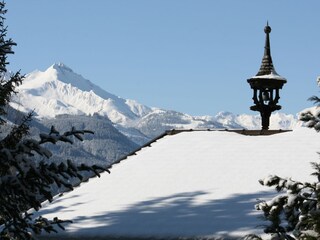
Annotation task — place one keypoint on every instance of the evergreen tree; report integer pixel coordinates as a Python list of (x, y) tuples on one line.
[(295, 212), (26, 177)]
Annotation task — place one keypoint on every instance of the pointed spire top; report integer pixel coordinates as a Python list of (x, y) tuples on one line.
[(267, 28), (266, 65), (267, 70)]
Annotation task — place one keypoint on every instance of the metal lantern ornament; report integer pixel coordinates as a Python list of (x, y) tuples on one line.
[(266, 85)]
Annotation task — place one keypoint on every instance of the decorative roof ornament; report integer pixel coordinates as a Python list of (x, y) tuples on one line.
[(266, 65), (267, 69), (266, 85)]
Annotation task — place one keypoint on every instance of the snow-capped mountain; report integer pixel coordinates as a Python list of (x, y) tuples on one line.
[(58, 90)]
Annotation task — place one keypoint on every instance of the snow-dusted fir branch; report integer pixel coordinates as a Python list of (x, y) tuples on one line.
[(312, 116), (54, 136), (295, 212), (26, 182)]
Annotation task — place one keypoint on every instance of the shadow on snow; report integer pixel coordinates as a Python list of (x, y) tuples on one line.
[(177, 215)]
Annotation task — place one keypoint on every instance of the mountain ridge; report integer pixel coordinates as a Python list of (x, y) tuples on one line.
[(59, 90)]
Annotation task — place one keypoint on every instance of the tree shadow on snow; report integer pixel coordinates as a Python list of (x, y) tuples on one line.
[(177, 215)]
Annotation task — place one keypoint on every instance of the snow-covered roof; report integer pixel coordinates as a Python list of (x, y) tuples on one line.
[(196, 183), (273, 75)]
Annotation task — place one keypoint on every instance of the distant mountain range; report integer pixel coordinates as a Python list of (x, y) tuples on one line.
[(63, 98)]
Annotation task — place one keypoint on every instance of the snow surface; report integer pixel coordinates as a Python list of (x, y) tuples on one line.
[(272, 75), (199, 183)]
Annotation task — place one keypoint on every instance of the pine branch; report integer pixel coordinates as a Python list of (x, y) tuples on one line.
[(17, 132), (314, 99)]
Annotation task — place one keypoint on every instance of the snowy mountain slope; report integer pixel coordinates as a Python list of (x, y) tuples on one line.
[(106, 145), (59, 90), (103, 148), (277, 120), (158, 121)]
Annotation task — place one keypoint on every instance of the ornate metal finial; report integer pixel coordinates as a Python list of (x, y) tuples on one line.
[(266, 65), (266, 85), (267, 28)]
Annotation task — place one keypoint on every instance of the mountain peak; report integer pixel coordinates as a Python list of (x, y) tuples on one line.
[(60, 66), (59, 90), (61, 72)]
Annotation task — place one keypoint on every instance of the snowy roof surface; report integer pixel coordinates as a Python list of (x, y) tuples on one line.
[(273, 75), (200, 183)]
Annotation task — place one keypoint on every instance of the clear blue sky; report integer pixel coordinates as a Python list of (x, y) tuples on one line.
[(193, 56)]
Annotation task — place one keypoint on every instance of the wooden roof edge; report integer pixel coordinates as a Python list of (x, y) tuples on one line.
[(240, 131), (134, 152)]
